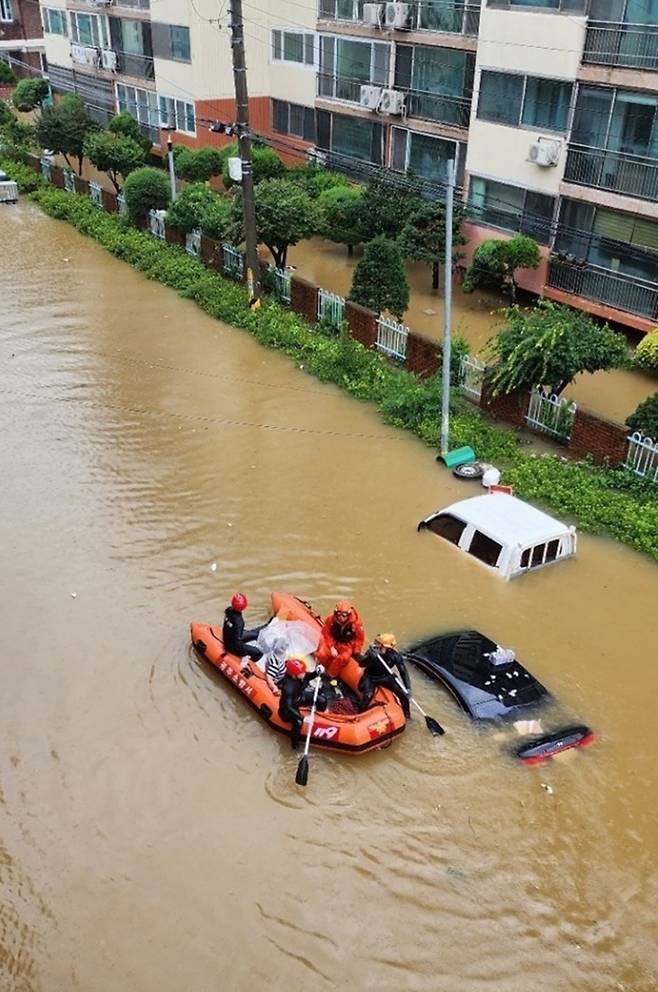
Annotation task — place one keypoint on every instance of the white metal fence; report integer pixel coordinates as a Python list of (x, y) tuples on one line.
[(233, 262), (157, 223), (69, 180), (193, 242), (122, 205), (45, 169), (550, 415), (642, 456), (392, 337), (281, 284), (96, 194), (471, 376), (331, 308)]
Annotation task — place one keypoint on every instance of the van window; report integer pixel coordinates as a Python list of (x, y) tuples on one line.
[(537, 555), (552, 549), (448, 527), (486, 550)]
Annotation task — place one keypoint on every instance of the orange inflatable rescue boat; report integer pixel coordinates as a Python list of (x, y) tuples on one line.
[(341, 727)]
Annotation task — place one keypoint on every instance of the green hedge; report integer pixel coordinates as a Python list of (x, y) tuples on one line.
[(601, 501)]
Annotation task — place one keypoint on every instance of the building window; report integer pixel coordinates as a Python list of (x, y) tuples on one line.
[(608, 238), (341, 10), (293, 46), (574, 6), (439, 81), (511, 208), (54, 21), (293, 119), (141, 104), (177, 114), (345, 65), (422, 155), (617, 120), (529, 101), (6, 12), (350, 137), (89, 29), (179, 39)]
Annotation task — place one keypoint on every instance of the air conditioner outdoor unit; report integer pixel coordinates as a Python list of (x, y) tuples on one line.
[(370, 97), (396, 15), (391, 102), (372, 14), (544, 153)]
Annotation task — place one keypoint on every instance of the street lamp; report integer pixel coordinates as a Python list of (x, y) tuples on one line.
[(172, 167)]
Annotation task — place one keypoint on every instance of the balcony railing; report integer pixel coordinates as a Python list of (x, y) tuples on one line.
[(434, 107), (625, 293), (635, 175), (340, 88), (140, 66), (424, 15), (633, 45)]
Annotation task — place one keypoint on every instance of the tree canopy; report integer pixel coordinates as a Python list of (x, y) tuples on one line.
[(125, 124), (379, 281), (30, 93), (495, 262), (645, 418), (190, 206), (64, 127), (547, 346), (146, 189), (198, 166), (265, 162), (387, 207), (646, 353), (7, 74), (285, 214), (423, 236), (114, 154), (340, 210)]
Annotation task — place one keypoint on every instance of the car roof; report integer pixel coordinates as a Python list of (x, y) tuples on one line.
[(507, 519)]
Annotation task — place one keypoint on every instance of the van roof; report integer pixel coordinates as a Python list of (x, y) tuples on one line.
[(507, 519)]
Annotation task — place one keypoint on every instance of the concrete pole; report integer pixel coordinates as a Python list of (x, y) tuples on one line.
[(447, 312), (172, 169)]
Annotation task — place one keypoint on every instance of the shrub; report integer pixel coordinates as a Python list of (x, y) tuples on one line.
[(317, 181), (126, 125), (187, 211), (114, 154), (7, 74), (495, 261), (266, 164), (6, 116), (386, 207), (380, 282), (340, 215), (29, 93), (200, 166), (26, 178), (217, 220), (646, 353), (285, 214), (146, 189), (645, 418)]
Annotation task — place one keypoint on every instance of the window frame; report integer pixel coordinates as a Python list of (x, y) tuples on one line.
[(333, 75), (332, 115), (520, 124), (165, 118), (551, 222), (177, 58), (99, 24), (407, 153), (304, 35), (290, 133), (46, 20), (6, 12), (153, 110)]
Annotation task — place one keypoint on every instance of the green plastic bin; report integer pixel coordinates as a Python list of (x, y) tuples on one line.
[(457, 457)]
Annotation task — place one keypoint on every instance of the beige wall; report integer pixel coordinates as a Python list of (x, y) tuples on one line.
[(544, 44), (499, 152), (57, 48)]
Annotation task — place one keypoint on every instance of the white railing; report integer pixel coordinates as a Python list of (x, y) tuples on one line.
[(550, 415), (193, 242), (233, 262), (44, 165), (392, 337), (471, 376), (122, 205), (331, 308), (96, 194), (157, 223), (642, 456), (281, 284), (69, 180)]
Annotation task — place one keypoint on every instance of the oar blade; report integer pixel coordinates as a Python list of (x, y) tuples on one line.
[(434, 727), (301, 778)]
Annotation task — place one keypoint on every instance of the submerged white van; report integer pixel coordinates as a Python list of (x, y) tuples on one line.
[(504, 533)]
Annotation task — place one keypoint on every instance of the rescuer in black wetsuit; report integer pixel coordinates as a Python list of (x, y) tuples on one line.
[(235, 636), (375, 675), (294, 694)]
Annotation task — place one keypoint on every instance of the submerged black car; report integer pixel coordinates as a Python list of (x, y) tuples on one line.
[(491, 685)]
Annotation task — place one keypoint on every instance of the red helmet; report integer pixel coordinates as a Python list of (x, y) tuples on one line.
[(239, 602), (343, 610), (295, 666)]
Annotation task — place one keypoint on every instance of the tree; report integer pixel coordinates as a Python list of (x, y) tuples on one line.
[(64, 127), (6, 116), (198, 167), (340, 215), (265, 162), (7, 74), (380, 282), (30, 93), (547, 346), (645, 418), (386, 206), (423, 236), (188, 209), (146, 189), (218, 220), (646, 353), (114, 154), (285, 214), (126, 125), (317, 180), (495, 261)]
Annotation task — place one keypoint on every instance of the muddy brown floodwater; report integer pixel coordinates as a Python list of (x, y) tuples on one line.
[(152, 836)]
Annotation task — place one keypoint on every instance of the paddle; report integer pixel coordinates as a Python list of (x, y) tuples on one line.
[(301, 778), (434, 728)]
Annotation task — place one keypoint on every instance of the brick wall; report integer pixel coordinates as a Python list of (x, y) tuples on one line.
[(57, 176), (110, 201), (423, 355), (510, 408), (26, 22), (81, 186), (362, 323), (304, 299), (173, 236), (591, 435)]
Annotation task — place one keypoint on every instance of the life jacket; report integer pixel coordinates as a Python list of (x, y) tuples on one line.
[(342, 633)]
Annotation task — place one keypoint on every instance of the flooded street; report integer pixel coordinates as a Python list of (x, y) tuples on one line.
[(477, 316), (152, 838)]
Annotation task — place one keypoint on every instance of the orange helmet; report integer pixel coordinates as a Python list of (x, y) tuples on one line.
[(343, 610), (386, 641), (295, 666)]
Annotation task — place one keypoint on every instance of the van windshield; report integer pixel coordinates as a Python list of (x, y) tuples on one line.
[(448, 527)]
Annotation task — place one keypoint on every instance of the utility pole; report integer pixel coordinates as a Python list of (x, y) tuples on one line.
[(172, 168), (244, 144), (447, 311)]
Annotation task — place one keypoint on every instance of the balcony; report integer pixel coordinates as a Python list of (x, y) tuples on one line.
[(443, 16), (619, 172), (628, 45), (139, 66), (435, 107), (340, 87), (622, 292)]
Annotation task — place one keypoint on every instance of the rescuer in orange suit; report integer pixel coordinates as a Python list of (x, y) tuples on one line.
[(341, 638)]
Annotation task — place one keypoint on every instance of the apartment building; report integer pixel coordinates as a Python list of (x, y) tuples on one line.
[(548, 107), (21, 38)]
